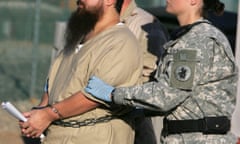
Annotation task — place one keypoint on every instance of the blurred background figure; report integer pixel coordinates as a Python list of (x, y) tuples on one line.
[(152, 35)]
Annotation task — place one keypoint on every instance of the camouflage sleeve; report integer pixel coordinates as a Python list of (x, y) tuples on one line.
[(214, 85), (153, 96)]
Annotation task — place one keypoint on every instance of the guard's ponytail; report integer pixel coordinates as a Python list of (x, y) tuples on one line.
[(215, 6)]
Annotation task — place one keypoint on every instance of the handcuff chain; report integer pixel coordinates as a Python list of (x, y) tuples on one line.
[(87, 122)]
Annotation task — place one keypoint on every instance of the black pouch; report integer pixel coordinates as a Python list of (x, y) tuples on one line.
[(216, 125)]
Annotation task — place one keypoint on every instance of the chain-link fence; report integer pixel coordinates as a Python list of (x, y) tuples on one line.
[(27, 30)]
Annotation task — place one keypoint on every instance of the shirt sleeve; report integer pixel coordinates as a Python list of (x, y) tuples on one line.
[(118, 64)]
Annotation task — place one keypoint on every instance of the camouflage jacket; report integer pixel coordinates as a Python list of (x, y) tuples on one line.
[(197, 77)]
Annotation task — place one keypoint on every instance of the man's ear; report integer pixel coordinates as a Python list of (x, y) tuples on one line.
[(110, 2), (193, 2), (116, 3)]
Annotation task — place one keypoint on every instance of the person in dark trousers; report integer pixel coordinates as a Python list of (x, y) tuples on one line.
[(151, 35)]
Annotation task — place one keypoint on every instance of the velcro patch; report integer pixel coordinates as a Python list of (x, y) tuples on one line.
[(183, 69)]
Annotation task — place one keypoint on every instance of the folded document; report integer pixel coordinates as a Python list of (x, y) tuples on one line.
[(11, 109)]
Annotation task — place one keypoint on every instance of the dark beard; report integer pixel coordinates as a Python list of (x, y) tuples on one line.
[(80, 23)]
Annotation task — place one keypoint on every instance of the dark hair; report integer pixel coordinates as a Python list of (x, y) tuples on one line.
[(215, 6)]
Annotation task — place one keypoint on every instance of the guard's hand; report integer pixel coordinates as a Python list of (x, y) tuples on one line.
[(99, 89)]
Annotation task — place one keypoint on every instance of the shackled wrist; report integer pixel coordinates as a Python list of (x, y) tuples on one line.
[(56, 111)]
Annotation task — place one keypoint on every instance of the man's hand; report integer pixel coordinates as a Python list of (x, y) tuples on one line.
[(99, 89), (38, 121)]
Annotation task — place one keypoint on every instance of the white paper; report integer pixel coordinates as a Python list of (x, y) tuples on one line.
[(11, 109)]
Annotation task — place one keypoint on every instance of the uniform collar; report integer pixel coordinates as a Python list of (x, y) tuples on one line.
[(129, 11), (184, 29)]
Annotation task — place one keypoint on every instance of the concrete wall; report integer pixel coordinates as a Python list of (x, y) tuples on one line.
[(236, 115)]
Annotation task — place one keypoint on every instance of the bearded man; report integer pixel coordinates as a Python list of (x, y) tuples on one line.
[(96, 44)]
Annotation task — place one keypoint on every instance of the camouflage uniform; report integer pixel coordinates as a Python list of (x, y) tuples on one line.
[(197, 77)]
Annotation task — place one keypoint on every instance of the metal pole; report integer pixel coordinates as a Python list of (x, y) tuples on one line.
[(35, 50), (236, 116)]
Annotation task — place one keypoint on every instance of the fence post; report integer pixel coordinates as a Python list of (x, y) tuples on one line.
[(35, 50)]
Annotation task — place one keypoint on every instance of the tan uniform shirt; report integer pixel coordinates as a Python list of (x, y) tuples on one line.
[(112, 55)]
